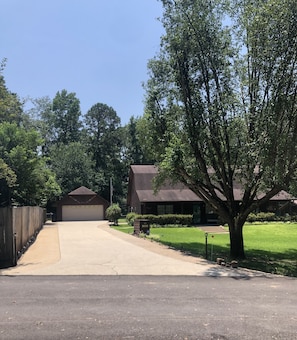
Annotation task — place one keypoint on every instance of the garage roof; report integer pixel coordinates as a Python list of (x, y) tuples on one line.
[(81, 191)]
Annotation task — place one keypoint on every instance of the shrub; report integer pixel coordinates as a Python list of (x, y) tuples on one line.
[(262, 217), (113, 213), (130, 217), (162, 220)]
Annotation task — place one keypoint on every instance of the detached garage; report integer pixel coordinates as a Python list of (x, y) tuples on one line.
[(81, 204)]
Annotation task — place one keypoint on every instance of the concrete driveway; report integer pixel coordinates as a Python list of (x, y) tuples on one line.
[(94, 248)]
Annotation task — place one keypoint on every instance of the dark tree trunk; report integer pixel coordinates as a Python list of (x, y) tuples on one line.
[(236, 240)]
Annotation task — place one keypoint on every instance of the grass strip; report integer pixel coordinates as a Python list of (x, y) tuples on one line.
[(269, 247)]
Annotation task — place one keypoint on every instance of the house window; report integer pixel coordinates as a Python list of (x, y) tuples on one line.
[(165, 209)]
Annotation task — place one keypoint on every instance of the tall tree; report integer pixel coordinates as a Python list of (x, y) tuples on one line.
[(73, 166), (104, 140), (137, 142), (11, 108), (8, 181), (24, 177), (102, 125), (42, 118), (65, 118), (133, 149), (221, 99)]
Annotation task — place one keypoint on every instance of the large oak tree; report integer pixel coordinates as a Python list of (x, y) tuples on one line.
[(221, 102)]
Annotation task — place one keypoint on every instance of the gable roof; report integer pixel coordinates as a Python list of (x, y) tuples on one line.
[(82, 191), (143, 176)]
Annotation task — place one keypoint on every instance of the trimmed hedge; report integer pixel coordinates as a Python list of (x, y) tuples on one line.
[(261, 217), (187, 220), (162, 220), (270, 217)]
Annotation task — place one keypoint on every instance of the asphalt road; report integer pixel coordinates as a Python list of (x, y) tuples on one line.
[(147, 307), (84, 280)]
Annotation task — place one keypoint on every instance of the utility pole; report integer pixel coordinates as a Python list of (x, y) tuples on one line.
[(111, 190)]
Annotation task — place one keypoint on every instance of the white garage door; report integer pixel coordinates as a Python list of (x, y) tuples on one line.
[(82, 212)]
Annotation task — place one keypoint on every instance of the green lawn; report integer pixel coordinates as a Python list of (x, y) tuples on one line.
[(269, 247)]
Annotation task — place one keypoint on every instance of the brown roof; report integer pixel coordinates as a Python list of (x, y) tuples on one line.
[(81, 191), (144, 169), (281, 196), (144, 175), (143, 181), (172, 195)]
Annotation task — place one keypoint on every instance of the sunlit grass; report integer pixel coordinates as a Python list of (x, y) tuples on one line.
[(269, 247)]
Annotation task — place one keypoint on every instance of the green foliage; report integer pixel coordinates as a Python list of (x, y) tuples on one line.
[(130, 218), (73, 166), (269, 217), (76, 154), (113, 213), (221, 102), (43, 119), (65, 118), (7, 174), (104, 142), (11, 108), (262, 217), (162, 220), (137, 149), (102, 125), (24, 176)]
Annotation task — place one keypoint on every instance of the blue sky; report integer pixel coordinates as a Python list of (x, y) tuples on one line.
[(98, 49)]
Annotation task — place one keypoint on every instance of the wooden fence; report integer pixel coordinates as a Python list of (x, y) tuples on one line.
[(18, 228)]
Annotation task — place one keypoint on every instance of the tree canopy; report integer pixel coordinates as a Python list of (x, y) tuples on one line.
[(137, 134), (72, 165), (65, 117), (221, 101), (24, 177), (11, 107), (103, 138), (53, 148)]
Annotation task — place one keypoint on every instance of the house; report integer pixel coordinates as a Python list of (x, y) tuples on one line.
[(82, 204), (179, 199), (170, 199)]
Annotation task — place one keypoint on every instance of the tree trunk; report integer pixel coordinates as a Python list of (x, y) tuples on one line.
[(236, 240)]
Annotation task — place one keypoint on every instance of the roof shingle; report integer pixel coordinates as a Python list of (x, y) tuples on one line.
[(82, 191)]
